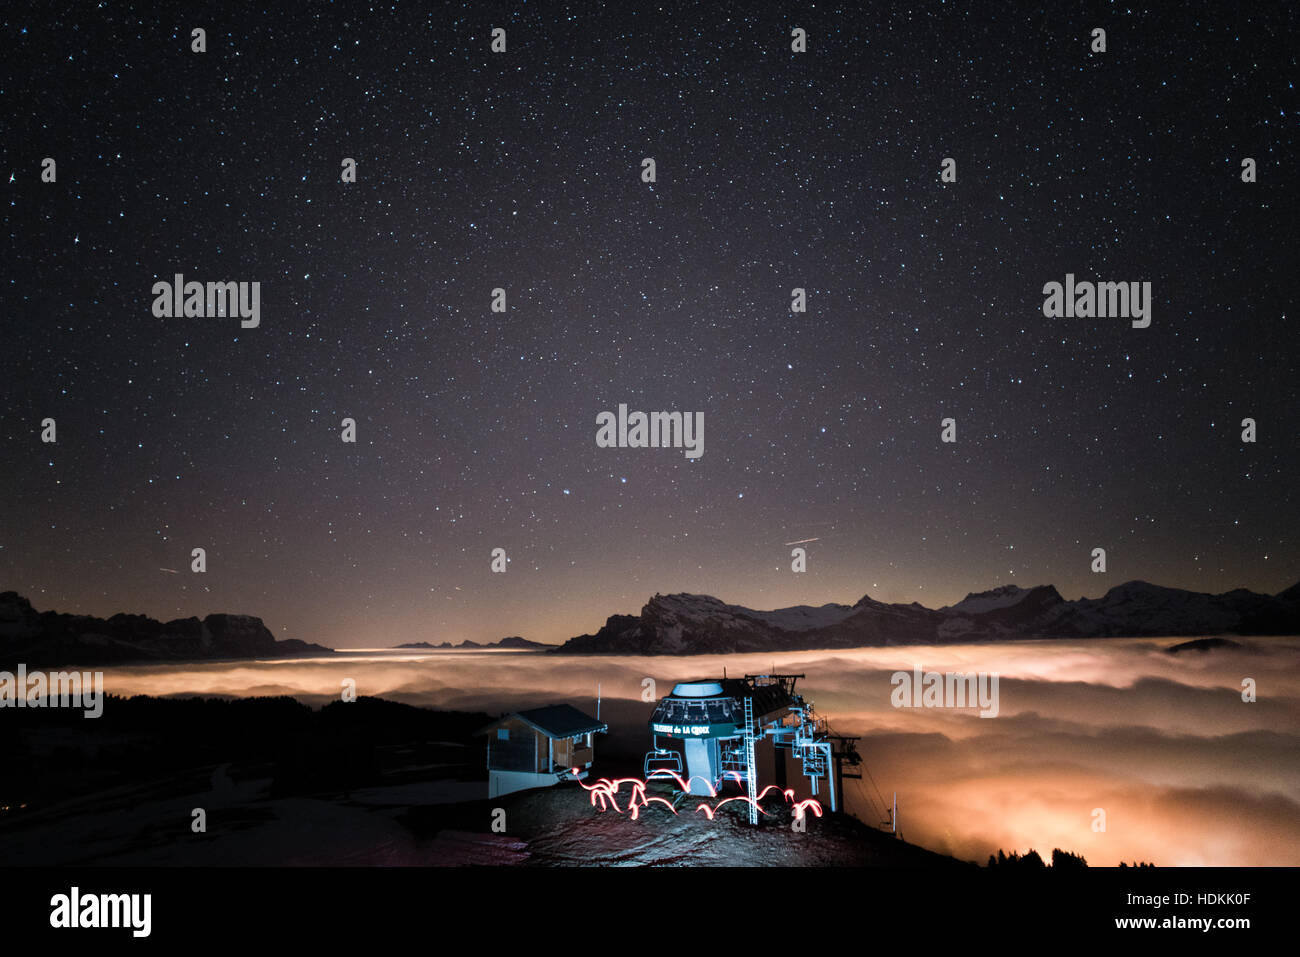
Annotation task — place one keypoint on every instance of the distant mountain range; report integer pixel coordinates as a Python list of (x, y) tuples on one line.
[(50, 639), (685, 624), (512, 642)]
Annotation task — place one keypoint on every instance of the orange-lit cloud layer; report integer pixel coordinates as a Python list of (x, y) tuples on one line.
[(1186, 772)]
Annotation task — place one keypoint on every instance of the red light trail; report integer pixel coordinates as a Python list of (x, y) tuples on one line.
[(605, 791)]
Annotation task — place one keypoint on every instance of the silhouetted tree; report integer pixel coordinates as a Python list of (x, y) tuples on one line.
[(1031, 861), (1067, 861)]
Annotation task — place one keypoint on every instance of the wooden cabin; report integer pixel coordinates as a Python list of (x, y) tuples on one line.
[(539, 747)]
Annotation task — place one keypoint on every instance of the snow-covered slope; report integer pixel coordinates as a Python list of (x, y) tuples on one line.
[(699, 608), (976, 603)]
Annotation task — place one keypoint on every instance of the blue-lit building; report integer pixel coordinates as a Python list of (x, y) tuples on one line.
[(748, 730)]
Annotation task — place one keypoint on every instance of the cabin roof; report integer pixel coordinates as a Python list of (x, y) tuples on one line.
[(554, 721)]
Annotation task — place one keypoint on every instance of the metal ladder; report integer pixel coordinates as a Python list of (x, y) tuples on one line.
[(750, 775)]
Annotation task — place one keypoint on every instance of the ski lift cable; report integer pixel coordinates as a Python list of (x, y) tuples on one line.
[(867, 799), (876, 808), (873, 783), (831, 731), (879, 814)]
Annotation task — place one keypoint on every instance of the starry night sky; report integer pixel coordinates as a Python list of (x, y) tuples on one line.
[(522, 170)]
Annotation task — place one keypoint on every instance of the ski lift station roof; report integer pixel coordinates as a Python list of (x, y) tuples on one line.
[(714, 707)]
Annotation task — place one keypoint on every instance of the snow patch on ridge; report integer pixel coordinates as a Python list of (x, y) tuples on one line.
[(701, 608), (977, 603)]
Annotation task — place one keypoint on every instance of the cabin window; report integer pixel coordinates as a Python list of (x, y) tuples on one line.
[(507, 754)]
